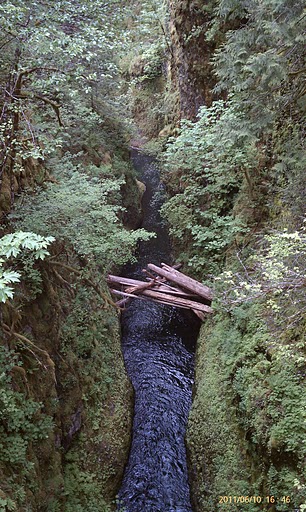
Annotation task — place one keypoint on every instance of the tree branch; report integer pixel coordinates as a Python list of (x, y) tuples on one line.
[(87, 281), (54, 105), (27, 72), (26, 341), (298, 72)]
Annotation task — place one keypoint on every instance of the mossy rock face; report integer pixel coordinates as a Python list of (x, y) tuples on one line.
[(190, 63), (132, 193), (26, 175), (71, 364), (5, 194), (245, 433), (217, 451), (148, 105)]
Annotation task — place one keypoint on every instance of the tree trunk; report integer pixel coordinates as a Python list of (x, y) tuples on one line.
[(182, 280)]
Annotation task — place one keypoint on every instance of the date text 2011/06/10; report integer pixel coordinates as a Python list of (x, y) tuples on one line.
[(253, 499)]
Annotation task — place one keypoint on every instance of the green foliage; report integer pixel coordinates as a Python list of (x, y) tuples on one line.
[(31, 277), (65, 45), (22, 424), (83, 491), (211, 158), (11, 247), (219, 464), (148, 65), (6, 279), (275, 274), (61, 98), (144, 66), (244, 145), (260, 63), (243, 157), (7, 504), (83, 212), (91, 347), (58, 71), (263, 355)]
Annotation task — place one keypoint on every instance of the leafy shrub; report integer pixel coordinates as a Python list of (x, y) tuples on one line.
[(275, 274), (210, 157), (148, 65), (81, 210), (15, 245)]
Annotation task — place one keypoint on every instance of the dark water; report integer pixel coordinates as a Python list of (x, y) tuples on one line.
[(158, 346)]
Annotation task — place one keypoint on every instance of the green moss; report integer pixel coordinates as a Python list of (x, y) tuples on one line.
[(91, 345), (218, 459), (80, 464), (247, 424)]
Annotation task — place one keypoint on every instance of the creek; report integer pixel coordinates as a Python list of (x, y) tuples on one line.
[(158, 344)]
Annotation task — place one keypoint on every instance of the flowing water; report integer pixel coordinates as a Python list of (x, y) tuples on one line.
[(158, 346)]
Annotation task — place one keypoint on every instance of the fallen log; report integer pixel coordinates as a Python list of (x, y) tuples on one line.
[(182, 280), (123, 280), (140, 287), (162, 282), (127, 295), (169, 300), (178, 301), (130, 295), (134, 285), (173, 291), (121, 303), (199, 314)]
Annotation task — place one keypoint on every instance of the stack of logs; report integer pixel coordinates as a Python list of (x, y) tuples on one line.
[(183, 292)]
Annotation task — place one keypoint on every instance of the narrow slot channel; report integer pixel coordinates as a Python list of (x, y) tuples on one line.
[(158, 344)]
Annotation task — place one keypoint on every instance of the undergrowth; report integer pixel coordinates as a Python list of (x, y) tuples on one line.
[(23, 424)]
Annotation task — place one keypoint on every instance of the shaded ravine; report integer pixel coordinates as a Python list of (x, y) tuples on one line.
[(158, 346)]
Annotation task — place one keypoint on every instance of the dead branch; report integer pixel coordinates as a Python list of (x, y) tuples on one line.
[(86, 280)]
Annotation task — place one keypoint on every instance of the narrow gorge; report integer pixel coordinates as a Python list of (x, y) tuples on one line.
[(118, 120), (158, 345)]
